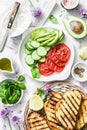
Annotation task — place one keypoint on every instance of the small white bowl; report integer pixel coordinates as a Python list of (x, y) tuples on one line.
[(80, 78), (72, 5), (17, 101)]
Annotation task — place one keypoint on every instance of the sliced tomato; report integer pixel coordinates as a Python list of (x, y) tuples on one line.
[(62, 52), (50, 64), (44, 70), (60, 69), (56, 60)]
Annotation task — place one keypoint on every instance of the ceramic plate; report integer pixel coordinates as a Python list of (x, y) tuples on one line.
[(55, 76), (21, 23)]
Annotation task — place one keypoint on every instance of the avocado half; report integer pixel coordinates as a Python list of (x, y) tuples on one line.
[(75, 26)]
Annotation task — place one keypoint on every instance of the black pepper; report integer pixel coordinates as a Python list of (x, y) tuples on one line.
[(79, 71)]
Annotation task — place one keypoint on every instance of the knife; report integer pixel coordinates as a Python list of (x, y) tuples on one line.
[(9, 26)]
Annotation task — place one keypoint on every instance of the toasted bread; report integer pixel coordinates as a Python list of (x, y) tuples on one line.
[(50, 111), (67, 109), (36, 122), (82, 116)]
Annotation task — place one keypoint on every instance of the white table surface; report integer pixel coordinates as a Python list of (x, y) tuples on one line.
[(11, 50)]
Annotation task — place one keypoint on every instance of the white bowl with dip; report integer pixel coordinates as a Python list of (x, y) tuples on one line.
[(79, 71), (69, 4)]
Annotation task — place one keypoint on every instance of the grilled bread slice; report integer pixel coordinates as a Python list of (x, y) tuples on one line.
[(36, 122), (50, 111), (82, 116), (67, 109)]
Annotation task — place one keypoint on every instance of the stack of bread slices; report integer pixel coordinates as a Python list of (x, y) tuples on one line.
[(63, 111)]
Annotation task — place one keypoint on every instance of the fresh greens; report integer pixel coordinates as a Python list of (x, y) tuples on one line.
[(42, 93), (35, 72), (10, 91), (21, 78), (53, 19), (37, 46)]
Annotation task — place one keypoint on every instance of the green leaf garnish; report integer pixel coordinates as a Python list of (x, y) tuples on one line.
[(21, 78), (42, 94), (22, 86), (53, 19), (35, 72)]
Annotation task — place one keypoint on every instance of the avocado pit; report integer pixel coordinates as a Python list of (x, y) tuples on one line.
[(76, 27)]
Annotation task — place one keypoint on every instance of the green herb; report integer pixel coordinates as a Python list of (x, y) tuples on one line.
[(21, 78), (53, 19), (42, 94), (22, 86), (35, 72), (10, 91)]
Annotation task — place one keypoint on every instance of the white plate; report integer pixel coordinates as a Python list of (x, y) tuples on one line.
[(21, 23), (55, 76)]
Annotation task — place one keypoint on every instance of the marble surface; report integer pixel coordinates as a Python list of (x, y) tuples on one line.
[(11, 50)]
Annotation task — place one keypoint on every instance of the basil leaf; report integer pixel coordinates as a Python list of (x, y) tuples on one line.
[(53, 19), (22, 86), (21, 78), (42, 94), (35, 72)]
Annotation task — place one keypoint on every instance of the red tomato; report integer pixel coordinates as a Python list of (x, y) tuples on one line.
[(56, 60), (44, 70), (60, 69), (62, 52), (50, 64)]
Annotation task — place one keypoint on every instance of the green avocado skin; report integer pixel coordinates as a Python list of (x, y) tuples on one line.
[(68, 19)]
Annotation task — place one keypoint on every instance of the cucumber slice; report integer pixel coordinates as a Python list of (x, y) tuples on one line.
[(41, 51), (35, 56), (26, 47), (28, 59), (42, 59), (29, 46), (35, 44), (27, 51)]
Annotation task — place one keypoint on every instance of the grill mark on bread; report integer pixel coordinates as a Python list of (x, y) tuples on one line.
[(36, 122), (50, 111), (61, 115), (57, 95), (67, 115), (73, 100), (69, 110), (71, 106)]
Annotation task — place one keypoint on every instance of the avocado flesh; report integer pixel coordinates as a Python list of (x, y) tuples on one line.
[(75, 26), (37, 32)]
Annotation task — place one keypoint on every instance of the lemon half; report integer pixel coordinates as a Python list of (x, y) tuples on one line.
[(36, 103)]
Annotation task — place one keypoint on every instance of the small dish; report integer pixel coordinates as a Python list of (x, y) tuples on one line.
[(79, 72), (69, 4), (21, 23), (6, 82), (10, 70)]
